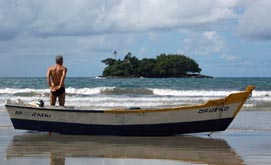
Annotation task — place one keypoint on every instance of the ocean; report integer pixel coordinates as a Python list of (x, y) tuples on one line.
[(246, 141), (106, 93)]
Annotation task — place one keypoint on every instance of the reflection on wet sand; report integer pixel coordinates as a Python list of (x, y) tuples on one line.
[(57, 159), (179, 148)]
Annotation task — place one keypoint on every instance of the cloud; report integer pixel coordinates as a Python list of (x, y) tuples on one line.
[(204, 43), (83, 17), (229, 57), (13, 18), (255, 22)]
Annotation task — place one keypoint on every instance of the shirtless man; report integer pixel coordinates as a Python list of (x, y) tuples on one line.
[(55, 77)]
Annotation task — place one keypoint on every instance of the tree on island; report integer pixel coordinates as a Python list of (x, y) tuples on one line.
[(163, 66)]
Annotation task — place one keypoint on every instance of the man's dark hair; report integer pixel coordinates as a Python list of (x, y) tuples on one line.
[(59, 59)]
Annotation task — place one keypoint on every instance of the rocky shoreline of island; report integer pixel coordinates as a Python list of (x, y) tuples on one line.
[(184, 76)]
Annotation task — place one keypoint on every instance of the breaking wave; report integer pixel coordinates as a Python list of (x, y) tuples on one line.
[(28, 92)]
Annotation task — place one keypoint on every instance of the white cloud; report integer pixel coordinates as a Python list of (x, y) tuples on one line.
[(255, 22), (229, 57), (210, 35), (83, 17), (204, 43)]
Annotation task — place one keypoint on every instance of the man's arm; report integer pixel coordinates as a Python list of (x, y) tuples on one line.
[(48, 77), (64, 72)]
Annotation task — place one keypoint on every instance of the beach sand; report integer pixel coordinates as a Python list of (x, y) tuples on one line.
[(233, 146)]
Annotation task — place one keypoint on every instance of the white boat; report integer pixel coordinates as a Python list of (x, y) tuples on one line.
[(214, 115)]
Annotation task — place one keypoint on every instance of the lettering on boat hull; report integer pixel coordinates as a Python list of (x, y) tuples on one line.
[(216, 109), (41, 115), (18, 112)]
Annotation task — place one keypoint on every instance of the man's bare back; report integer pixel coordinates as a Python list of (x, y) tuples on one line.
[(56, 73), (55, 77)]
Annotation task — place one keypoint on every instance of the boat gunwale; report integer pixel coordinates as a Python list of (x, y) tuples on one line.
[(210, 103)]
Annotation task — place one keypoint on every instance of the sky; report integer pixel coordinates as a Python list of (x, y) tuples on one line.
[(227, 38)]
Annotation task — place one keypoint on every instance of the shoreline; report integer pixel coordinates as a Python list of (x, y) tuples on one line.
[(185, 76)]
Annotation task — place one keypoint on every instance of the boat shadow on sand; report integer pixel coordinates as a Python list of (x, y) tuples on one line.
[(57, 148)]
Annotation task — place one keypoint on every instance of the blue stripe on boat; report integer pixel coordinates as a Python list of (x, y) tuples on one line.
[(124, 130)]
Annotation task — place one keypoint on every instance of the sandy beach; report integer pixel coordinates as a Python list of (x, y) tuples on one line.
[(237, 145)]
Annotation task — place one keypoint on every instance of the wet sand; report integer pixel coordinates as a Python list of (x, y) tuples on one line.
[(234, 146)]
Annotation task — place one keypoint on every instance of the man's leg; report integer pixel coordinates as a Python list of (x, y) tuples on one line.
[(61, 99), (52, 99)]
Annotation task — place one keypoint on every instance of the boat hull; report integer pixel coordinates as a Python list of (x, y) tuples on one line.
[(124, 130)]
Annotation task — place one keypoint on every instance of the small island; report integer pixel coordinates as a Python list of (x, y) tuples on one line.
[(163, 66)]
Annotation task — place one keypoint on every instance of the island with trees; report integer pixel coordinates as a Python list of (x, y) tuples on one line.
[(163, 66)]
